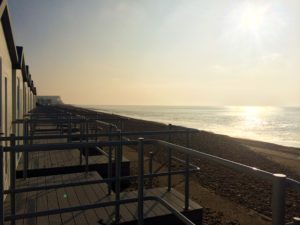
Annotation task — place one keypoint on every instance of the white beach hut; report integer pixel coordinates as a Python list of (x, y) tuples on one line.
[(8, 63), (19, 75)]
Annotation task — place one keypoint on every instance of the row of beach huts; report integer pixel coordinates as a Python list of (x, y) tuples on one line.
[(18, 94)]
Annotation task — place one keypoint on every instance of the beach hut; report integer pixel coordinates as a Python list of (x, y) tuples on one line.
[(19, 75), (34, 97), (31, 94), (28, 92), (25, 90), (8, 63)]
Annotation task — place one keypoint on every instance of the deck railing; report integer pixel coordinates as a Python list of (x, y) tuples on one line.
[(279, 181), (117, 179)]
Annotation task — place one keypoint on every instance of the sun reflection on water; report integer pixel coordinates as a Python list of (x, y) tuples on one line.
[(253, 116)]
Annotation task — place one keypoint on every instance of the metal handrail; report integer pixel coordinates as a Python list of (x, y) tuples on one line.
[(102, 134), (101, 181), (279, 181)]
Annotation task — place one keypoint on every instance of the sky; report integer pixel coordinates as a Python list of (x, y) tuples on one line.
[(162, 52)]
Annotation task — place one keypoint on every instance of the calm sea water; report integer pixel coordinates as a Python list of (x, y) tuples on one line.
[(280, 125)]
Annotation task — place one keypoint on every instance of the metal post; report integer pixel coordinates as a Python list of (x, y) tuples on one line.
[(69, 128), (169, 162), (151, 168), (61, 124), (278, 199), (12, 178), (31, 132), (187, 175), (118, 156), (80, 140), (121, 138), (87, 149), (96, 130), (25, 153), (141, 182), (109, 169), (1, 187)]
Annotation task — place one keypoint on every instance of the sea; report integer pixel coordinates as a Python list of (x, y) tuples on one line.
[(278, 125)]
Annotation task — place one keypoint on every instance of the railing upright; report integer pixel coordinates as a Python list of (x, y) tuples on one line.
[(169, 162), (151, 155), (87, 148), (1, 187), (25, 154), (12, 179), (121, 136), (69, 127), (96, 129), (141, 182), (187, 174), (118, 160), (109, 169), (61, 124), (278, 199), (80, 140)]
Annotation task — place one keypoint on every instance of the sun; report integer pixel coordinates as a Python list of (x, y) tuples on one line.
[(251, 17)]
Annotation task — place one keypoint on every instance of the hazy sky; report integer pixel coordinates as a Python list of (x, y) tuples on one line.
[(162, 52)]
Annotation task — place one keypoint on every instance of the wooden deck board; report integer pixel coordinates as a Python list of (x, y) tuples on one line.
[(78, 216), (67, 218), (42, 205), (90, 215), (125, 214), (41, 199), (30, 205), (109, 210), (53, 199)]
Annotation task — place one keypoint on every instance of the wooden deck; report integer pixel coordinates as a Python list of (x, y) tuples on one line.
[(82, 195), (68, 161), (39, 164)]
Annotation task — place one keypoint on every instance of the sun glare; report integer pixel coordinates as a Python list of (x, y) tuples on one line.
[(252, 19), (252, 116)]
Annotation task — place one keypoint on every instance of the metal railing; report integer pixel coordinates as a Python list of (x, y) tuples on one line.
[(13, 149), (280, 182), (86, 140)]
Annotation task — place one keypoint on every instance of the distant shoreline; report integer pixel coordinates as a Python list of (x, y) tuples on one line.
[(241, 137), (269, 150)]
